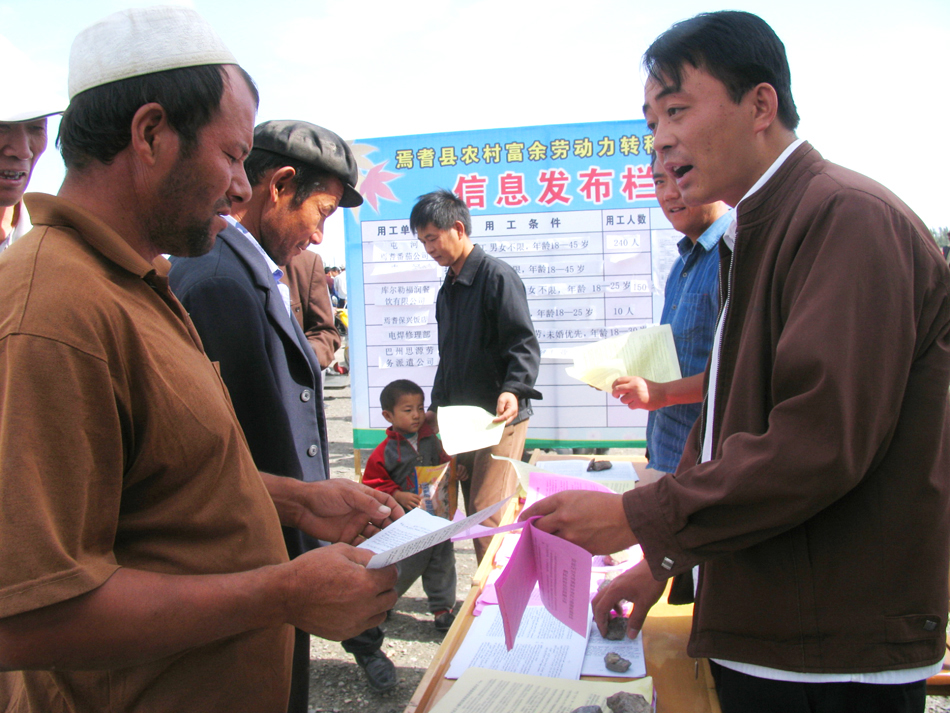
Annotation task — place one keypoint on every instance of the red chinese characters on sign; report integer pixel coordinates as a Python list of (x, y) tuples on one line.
[(638, 182), (597, 184), (555, 182), (471, 189), (511, 190)]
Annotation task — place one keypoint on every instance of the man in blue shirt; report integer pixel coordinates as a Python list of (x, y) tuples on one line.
[(690, 307)]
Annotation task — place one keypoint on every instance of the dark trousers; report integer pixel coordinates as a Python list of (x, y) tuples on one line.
[(741, 693), (368, 642), (300, 674)]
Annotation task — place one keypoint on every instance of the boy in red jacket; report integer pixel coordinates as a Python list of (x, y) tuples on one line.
[(411, 442)]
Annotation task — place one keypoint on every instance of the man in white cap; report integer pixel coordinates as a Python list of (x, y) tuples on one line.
[(24, 108), (142, 566)]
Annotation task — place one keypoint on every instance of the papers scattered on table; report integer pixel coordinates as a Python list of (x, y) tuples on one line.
[(545, 646), (416, 531), (598, 647), (468, 428), (650, 353), (481, 691)]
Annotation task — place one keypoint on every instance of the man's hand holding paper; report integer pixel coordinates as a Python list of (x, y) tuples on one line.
[(638, 393), (331, 593), (336, 510), (506, 409), (469, 428), (418, 530), (650, 352), (592, 520)]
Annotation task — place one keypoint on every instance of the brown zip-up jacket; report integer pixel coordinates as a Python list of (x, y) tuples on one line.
[(822, 520)]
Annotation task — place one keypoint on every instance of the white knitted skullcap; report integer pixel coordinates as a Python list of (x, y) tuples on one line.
[(141, 41)]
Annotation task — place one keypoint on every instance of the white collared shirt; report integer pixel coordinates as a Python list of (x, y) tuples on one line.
[(271, 265)]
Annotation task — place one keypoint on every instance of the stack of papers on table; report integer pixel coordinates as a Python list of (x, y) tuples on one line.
[(544, 647), (478, 691)]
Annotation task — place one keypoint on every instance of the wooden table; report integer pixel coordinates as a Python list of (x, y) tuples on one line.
[(683, 684)]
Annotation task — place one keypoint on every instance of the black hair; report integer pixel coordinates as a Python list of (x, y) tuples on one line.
[(442, 209), (307, 179), (737, 48), (97, 124), (395, 390)]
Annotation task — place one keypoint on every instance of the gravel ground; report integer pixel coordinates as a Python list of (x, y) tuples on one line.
[(336, 682)]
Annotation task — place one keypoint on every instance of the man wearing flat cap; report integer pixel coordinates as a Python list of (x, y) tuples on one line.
[(142, 567), (299, 174)]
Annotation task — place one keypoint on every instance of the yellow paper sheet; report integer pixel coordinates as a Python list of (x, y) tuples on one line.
[(650, 353), (479, 690), (468, 428)]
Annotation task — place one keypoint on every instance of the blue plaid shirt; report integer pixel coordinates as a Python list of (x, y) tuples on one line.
[(691, 303)]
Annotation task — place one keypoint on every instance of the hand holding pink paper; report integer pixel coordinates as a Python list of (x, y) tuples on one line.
[(562, 571)]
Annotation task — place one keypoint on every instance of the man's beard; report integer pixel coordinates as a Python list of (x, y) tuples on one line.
[(167, 230), (192, 239)]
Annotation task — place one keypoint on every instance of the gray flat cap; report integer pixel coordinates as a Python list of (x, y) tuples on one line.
[(313, 145)]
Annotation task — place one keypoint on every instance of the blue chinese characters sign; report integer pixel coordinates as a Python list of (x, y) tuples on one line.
[(572, 208)]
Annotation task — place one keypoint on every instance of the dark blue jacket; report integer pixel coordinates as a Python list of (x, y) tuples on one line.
[(266, 362)]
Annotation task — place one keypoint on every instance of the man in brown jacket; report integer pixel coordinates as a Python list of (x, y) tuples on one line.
[(310, 304), (813, 493)]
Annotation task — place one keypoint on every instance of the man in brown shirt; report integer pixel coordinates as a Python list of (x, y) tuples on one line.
[(142, 566)]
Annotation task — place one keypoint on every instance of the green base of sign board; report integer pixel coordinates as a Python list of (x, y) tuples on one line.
[(367, 438)]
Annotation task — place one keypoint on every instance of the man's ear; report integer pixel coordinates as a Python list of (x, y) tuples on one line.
[(281, 183), (764, 106), (152, 135), (460, 228)]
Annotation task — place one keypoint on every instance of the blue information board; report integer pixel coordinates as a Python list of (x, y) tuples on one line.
[(571, 207)]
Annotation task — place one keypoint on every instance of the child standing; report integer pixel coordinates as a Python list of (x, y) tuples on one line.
[(411, 442)]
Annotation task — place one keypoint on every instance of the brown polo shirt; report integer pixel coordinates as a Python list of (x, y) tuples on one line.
[(119, 448)]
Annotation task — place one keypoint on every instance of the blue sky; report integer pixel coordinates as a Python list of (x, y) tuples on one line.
[(872, 82)]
